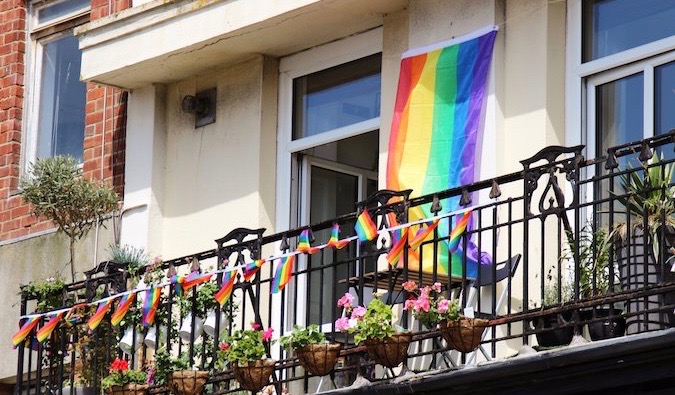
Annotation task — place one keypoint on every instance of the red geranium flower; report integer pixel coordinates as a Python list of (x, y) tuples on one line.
[(120, 365)]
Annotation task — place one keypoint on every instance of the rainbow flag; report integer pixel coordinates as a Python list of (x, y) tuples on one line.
[(46, 330), (25, 330), (422, 234), (122, 308), (223, 295), (73, 316), (150, 306), (394, 255), (252, 268), (303, 243), (334, 241), (283, 274), (458, 231), (366, 229), (193, 279), (435, 128), (177, 281), (97, 317)]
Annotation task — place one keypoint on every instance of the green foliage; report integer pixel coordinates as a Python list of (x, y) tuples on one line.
[(594, 264), (205, 300), (243, 346), (49, 293), (165, 364), (120, 374), (301, 337), (375, 324)]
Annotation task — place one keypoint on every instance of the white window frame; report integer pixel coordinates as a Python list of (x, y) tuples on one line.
[(33, 67)]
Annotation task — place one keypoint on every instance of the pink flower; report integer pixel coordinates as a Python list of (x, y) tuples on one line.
[(345, 301), (422, 304), (255, 326), (267, 334), (410, 286), (443, 306), (408, 304), (224, 346), (436, 287), (342, 324), (358, 312)]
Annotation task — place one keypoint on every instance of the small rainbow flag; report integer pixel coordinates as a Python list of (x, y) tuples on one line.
[(25, 330), (252, 268), (46, 330), (283, 273), (334, 241), (394, 255), (101, 310), (365, 228), (193, 279), (303, 243), (223, 295), (458, 231), (122, 308), (422, 234), (72, 316), (150, 306), (177, 282)]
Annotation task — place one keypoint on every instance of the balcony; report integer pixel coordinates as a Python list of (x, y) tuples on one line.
[(559, 252)]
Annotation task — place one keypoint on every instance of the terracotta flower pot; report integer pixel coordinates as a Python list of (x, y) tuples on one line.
[(390, 351), (318, 359), (128, 389), (463, 335), (187, 382), (255, 375)]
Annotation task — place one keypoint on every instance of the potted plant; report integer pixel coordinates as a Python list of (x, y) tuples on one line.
[(373, 327), (204, 301), (245, 351), (552, 328), (316, 355), (124, 381), (175, 372), (49, 294)]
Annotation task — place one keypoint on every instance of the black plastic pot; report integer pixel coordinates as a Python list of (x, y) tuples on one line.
[(612, 324), (555, 337)]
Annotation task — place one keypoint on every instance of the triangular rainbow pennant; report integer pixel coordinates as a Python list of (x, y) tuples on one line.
[(303, 243), (422, 234), (195, 278), (150, 306), (252, 268), (334, 240), (365, 228), (46, 330), (458, 231), (122, 308), (394, 255), (223, 295), (96, 319), (177, 281), (283, 274), (73, 317), (25, 330)]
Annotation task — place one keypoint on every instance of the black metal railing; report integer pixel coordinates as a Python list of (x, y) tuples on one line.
[(550, 249)]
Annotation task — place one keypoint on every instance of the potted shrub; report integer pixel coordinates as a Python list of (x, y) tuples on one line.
[(124, 381), (316, 355), (175, 373), (245, 351), (373, 327), (552, 332)]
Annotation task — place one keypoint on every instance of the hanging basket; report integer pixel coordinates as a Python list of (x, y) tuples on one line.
[(463, 335), (391, 351), (128, 389), (318, 359), (187, 382), (255, 375)]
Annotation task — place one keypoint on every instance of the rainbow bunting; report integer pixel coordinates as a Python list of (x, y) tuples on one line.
[(177, 281), (422, 234), (193, 279), (365, 228), (436, 125), (252, 268), (334, 241), (47, 329), (72, 316), (223, 295), (25, 330), (458, 231), (303, 243), (150, 306), (283, 274), (96, 319), (394, 255), (122, 308)]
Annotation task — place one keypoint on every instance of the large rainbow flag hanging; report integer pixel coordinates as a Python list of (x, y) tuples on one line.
[(435, 128)]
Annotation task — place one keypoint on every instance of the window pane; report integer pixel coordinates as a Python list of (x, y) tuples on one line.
[(664, 102), (612, 26), (58, 10), (62, 100), (336, 97)]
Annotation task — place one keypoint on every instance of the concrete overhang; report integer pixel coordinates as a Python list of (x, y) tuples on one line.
[(165, 41)]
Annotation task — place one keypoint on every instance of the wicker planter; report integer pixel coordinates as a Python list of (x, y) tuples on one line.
[(255, 375), (463, 335), (391, 351), (318, 359), (187, 382), (128, 389)]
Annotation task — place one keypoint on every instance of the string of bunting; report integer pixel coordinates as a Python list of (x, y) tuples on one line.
[(366, 230)]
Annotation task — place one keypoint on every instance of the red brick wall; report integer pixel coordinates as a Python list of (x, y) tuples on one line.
[(103, 151)]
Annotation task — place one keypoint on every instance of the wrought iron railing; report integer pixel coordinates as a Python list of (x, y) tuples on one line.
[(553, 249)]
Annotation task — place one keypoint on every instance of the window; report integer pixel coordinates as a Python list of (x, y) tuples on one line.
[(57, 103)]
